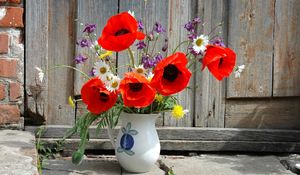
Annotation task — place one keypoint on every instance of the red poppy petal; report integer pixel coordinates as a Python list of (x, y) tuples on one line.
[(140, 35)]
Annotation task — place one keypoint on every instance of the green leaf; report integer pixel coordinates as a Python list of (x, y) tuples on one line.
[(128, 126), (133, 132), (77, 157)]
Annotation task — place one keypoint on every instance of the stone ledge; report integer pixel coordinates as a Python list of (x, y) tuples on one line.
[(18, 154)]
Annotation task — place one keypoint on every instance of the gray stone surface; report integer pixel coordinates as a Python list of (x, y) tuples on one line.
[(89, 166), (226, 165), (154, 171), (18, 155), (103, 165), (291, 162)]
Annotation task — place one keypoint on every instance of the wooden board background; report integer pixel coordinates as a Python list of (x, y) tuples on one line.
[(264, 33)]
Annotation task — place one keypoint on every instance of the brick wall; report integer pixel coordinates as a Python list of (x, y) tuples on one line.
[(11, 63)]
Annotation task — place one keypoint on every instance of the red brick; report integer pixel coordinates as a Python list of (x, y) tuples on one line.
[(14, 91), (13, 17), (8, 68), (15, 1), (3, 43), (9, 114), (2, 91)]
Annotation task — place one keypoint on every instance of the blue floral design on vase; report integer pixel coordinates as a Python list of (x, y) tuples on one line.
[(127, 141)]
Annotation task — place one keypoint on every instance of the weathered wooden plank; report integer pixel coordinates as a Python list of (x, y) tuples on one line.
[(177, 145), (149, 12), (179, 13), (91, 12), (210, 94), (35, 41), (286, 78), (281, 113), (250, 35), (61, 51), (190, 133)]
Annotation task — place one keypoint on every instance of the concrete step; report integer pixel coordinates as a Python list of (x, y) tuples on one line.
[(18, 155)]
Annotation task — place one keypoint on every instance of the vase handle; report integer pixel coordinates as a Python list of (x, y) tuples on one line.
[(111, 137)]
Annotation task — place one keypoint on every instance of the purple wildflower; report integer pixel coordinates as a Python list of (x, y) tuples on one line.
[(92, 72), (192, 25), (141, 45), (196, 20), (84, 43), (158, 28), (147, 62), (218, 42), (192, 36), (158, 58), (80, 59), (189, 26), (140, 25), (89, 28), (165, 46)]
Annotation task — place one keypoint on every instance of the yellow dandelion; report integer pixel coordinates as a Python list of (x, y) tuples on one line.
[(106, 54), (71, 102), (178, 112), (159, 98)]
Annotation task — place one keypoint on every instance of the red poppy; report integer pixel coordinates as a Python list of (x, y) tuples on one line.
[(97, 98), (219, 61), (120, 32), (136, 90), (171, 74)]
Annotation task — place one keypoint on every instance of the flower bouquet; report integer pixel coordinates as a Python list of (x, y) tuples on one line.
[(149, 84)]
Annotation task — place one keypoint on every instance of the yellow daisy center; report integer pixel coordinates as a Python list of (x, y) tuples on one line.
[(139, 70), (114, 84), (108, 78), (103, 70), (199, 42)]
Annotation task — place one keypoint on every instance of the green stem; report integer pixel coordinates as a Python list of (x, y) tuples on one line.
[(131, 56), (70, 67), (183, 42)]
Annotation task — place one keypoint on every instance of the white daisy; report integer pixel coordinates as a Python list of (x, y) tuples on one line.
[(200, 43), (101, 69), (238, 70), (113, 84), (131, 13), (150, 75), (139, 69), (40, 73)]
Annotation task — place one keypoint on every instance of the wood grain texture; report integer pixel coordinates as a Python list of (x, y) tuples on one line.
[(210, 94), (265, 113), (188, 133), (91, 12), (179, 13), (286, 78), (61, 51), (149, 12), (36, 92), (250, 35), (177, 145)]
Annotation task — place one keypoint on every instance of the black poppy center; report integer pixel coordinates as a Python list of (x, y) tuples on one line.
[(170, 72), (121, 32), (220, 62), (104, 97), (135, 87)]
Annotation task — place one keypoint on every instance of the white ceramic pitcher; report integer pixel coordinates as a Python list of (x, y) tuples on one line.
[(137, 145)]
